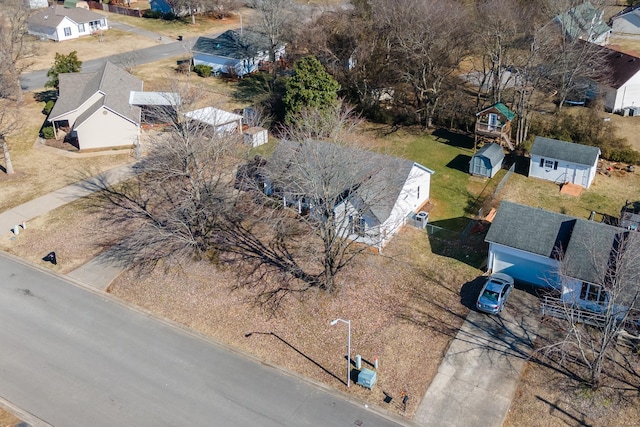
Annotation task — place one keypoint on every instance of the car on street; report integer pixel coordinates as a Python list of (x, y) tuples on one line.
[(494, 293)]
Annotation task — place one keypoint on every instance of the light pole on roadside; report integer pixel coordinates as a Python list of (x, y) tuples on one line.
[(348, 322)]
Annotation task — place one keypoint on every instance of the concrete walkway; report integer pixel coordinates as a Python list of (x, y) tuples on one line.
[(479, 374), (55, 199), (100, 271)]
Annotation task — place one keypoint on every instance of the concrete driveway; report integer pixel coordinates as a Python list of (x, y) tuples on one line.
[(480, 372)]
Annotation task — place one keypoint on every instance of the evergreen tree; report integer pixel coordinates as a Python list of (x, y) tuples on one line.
[(62, 64), (311, 86)]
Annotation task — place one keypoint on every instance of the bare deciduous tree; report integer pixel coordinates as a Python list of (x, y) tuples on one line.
[(13, 46), (272, 19), (426, 48), (8, 124), (604, 302), (173, 208)]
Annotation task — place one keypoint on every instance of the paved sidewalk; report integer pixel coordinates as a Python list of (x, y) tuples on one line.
[(479, 374), (55, 199), (98, 272)]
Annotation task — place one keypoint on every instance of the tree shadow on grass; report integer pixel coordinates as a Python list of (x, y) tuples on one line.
[(252, 88), (455, 139), (46, 95), (460, 162), (273, 334)]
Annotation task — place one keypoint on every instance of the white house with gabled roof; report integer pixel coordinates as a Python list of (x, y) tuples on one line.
[(562, 161), (59, 23)]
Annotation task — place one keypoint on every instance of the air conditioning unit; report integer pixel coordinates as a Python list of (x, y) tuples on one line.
[(421, 219)]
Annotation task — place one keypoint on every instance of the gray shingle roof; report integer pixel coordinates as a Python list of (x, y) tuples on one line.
[(563, 150), (111, 81), (378, 196), (52, 16), (493, 152), (587, 248), (231, 45), (530, 229)]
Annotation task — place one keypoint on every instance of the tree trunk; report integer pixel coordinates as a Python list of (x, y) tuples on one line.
[(7, 157)]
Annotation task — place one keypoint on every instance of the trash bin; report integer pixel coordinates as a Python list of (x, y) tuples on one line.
[(179, 38)]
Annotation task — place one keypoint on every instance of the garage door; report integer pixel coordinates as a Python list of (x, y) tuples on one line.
[(525, 270)]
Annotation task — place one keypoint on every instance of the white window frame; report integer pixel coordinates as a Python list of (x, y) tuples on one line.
[(67, 31)]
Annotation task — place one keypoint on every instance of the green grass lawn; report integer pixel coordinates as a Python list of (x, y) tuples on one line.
[(455, 195)]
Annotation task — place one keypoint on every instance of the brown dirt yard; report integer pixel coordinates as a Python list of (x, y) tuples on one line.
[(547, 397)]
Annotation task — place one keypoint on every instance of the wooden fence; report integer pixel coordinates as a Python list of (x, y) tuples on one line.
[(120, 10)]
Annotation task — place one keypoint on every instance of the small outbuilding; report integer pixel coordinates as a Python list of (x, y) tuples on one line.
[(222, 121), (256, 136), (487, 161), (562, 161)]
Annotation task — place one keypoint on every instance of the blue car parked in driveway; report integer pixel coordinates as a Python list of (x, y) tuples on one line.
[(494, 293)]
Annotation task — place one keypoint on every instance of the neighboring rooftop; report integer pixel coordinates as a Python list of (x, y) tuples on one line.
[(563, 150), (154, 98), (619, 67), (385, 175), (583, 21), (213, 116), (530, 229), (52, 16), (113, 82), (231, 44)]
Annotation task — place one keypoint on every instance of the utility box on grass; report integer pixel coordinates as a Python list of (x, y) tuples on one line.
[(367, 378)]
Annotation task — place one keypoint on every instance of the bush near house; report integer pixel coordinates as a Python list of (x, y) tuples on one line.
[(47, 132), (202, 70), (47, 107)]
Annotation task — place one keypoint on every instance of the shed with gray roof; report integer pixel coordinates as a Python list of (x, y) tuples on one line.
[(487, 161), (562, 161)]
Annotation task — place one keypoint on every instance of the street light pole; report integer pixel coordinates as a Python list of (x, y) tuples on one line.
[(348, 322)]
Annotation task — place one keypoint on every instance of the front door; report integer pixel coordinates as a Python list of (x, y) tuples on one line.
[(493, 121)]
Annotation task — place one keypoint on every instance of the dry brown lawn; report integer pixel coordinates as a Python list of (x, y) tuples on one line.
[(404, 307), (627, 128), (7, 419), (39, 171), (546, 397), (629, 45), (114, 41)]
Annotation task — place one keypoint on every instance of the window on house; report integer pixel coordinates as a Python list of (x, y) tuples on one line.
[(418, 192), (548, 164), (81, 28), (357, 225), (67, 31), (591, 292)]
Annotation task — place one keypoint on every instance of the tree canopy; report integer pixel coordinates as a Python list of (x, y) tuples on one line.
[(62, 64)]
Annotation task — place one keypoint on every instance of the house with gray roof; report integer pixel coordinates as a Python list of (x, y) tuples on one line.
[(487, 161), (93, 110), (59, 23), (584, 22), (370, 195), (582, 258), (627, 21), (562, 161), (234, 53)]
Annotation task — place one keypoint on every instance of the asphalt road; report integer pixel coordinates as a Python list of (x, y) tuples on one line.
[(72, 357), (37, 79)]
